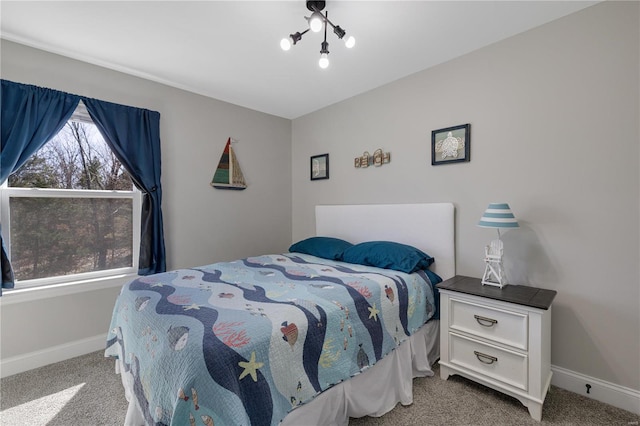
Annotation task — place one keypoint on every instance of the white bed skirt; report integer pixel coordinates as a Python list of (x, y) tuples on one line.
[(374, 392)]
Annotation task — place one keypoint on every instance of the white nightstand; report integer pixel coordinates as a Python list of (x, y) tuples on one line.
[(500, 337)]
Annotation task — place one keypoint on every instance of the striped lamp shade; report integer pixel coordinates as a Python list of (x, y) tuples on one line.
[(498, 215)]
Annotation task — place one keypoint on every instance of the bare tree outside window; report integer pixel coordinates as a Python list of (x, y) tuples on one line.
[(53, 236)]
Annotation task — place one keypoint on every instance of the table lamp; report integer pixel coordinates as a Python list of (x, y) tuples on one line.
[(498, 216)]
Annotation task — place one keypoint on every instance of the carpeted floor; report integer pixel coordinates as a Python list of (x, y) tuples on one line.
[(85, 391)]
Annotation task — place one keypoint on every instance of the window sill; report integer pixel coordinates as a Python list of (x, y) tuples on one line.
[(12, 296)]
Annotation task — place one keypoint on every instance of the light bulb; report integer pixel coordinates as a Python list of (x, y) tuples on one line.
[(285, 43), (350, 42), (324, 61), (315, 22)]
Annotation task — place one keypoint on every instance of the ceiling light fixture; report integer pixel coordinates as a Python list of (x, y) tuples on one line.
[(316, 22)]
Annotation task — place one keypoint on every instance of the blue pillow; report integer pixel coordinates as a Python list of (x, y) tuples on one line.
[(324, 247), (433, 277), (388, 255)]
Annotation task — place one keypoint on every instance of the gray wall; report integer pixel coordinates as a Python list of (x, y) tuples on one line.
[(554, 132), (202, 224), (554, 115)]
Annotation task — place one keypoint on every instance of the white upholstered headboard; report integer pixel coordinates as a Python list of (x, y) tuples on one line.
[(428, 227)]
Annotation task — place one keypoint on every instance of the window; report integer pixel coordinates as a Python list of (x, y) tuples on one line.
[(71, 211)]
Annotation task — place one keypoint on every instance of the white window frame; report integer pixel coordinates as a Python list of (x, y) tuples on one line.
[(135, 196)]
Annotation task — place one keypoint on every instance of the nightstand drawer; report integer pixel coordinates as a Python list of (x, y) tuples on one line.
[(491, 323), (494, 362)]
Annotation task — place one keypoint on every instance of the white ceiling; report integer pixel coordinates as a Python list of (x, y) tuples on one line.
[(230, 50)]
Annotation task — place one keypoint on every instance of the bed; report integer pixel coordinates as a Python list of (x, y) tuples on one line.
[(328, 339)]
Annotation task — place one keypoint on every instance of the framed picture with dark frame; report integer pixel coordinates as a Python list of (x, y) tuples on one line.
[(320, 167), (451, 145)]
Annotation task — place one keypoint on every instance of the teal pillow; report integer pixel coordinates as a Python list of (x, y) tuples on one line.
[(434, 278), (324, 247), (388, 255)]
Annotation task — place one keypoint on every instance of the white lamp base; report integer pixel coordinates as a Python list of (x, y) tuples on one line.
[(494, 273), (486, 280)]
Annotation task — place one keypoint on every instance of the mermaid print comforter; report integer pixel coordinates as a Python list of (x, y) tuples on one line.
[(245, 342)]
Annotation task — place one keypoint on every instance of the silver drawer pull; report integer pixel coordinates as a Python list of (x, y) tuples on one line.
[(485, 322), (482, 357)]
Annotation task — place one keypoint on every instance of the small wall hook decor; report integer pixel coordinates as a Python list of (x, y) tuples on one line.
[(377, 159), (365, 159)]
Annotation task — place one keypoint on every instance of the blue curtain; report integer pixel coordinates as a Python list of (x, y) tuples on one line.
[(134, 136), (6, 271), (30, 117)]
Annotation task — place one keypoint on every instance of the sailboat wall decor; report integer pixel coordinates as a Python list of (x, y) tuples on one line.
[(228, 175)]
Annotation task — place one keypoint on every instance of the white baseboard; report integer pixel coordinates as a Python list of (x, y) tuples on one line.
[(29, 361), (612, 394)]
